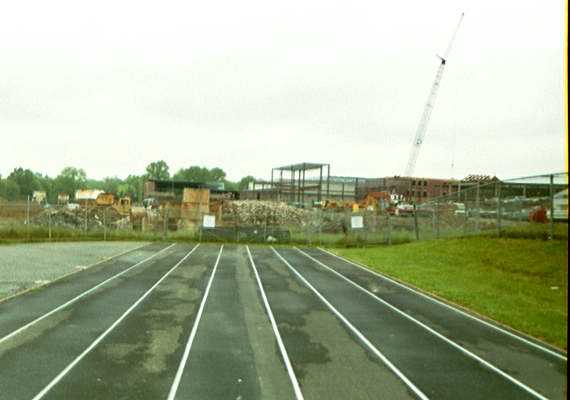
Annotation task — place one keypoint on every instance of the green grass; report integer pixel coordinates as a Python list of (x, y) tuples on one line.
[(350, 240), (508, 280), (535, 231), (22, 234)]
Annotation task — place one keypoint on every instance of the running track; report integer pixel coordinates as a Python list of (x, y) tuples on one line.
[(187, 321)]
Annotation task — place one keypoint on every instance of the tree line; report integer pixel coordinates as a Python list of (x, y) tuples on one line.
[(22, 182)]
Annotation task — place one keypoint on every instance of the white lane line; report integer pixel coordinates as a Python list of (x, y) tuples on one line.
[(430, 330), (180, 371), (457, 310), (79, 296), (60, 376), (359, 334), (292, 376)]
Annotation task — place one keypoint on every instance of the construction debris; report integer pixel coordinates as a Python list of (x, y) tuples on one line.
[(265, 213), (82, 218)]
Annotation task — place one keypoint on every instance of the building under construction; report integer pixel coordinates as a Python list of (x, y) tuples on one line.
[(303, 183)]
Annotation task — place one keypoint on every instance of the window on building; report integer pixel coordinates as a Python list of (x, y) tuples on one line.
[(425, 194)]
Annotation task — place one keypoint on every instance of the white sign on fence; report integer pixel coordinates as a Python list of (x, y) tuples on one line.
[(356, 222), (209, 221)]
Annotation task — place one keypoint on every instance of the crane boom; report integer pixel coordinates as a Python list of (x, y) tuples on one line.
[(422, 127)]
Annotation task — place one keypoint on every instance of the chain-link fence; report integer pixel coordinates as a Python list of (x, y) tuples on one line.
[(29, 220), (534, 207)]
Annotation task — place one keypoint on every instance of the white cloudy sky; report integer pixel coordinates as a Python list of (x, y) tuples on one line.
[(109, 86)]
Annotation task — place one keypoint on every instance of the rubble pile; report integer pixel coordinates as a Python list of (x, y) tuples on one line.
[(61, 218), (331, 222), (260, 213), (80, 218)]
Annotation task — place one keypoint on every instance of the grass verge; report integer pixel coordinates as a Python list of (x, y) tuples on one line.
[(521, 283)]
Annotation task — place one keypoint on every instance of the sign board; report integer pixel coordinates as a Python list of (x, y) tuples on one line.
[(356, 222), (209, 221)]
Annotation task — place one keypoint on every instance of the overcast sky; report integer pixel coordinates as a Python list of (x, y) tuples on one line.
[(109, 86)]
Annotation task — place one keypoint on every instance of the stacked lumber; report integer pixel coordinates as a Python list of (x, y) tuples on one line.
[(195, 203)]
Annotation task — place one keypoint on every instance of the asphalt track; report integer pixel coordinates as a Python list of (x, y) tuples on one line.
[(189, 321)]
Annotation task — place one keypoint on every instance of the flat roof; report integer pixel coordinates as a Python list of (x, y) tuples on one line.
[(301, 166), (180, 184)]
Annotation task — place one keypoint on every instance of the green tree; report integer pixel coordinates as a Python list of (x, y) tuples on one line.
[(111, 184), (199, 174), (158, 170), (243, 183), (2, 187), (9, 190), (132, 186), (193, 174), (217, 175), (46, 184), (229, 185), (26, 181), (70, 180), (93, 184)]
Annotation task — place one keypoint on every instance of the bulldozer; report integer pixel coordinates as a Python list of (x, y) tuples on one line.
[(123, 205), (373, 200)]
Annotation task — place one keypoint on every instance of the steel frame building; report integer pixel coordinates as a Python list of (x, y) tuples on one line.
[(292, 184)]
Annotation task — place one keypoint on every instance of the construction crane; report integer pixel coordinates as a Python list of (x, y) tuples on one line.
[(422, 127)]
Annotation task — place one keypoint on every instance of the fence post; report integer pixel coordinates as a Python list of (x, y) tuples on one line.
[(437, 219), (389, 228), (365, 227), (433, 233), (28, 210), (105, 224), (49, 224), (466, 218), (477, 206), (320, 227), (416, 226), (551, 222), (165, 227), (499, 208), (28, 217), (237, 227)]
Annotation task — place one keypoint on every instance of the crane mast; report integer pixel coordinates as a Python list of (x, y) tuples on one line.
[(422, 127)]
